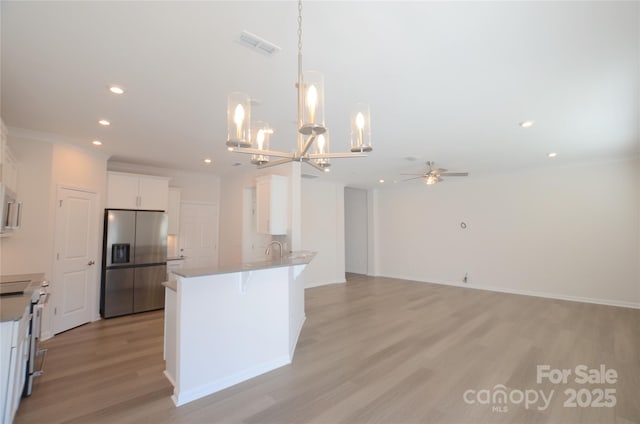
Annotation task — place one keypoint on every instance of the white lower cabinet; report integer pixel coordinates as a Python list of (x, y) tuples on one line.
[(170, 334), (14, 351)]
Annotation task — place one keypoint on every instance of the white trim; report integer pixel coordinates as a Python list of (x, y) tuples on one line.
[(181, 398), (326, 283), (607, 302)]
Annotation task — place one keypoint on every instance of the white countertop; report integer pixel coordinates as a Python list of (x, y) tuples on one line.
[(292, 259), (12, 306)]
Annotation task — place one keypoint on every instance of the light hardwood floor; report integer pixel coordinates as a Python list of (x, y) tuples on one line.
[(372, 350)]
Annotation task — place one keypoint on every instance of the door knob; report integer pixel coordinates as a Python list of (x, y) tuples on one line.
[(91, 262)]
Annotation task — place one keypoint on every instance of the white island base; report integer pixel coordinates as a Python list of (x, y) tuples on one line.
[(225, 326)]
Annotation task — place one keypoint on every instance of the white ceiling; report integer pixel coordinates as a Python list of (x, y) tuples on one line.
[(446, 81)]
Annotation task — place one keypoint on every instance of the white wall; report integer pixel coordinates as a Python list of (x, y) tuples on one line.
[(323, 231), (43, 167), (29, 249), (356, 229), (232, 191), (567, 232)]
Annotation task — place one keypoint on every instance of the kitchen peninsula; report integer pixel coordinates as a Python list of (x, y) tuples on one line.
[(225, 325)]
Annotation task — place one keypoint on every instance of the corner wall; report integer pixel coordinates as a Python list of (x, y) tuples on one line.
[(323, 231), (569, 232)]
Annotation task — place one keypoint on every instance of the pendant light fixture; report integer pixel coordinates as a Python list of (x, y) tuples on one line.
[(253, 138)]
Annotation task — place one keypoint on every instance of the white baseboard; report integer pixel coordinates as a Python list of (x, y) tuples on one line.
[(186, 396), (46, 335), (326, 283), (608, 302)]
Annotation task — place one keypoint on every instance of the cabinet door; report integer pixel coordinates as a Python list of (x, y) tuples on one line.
[(22, 355), (279, 205), (7, 355), (122, 191), (174, 211), (10, 171), (272, 204), (263, 205), (154, 193)]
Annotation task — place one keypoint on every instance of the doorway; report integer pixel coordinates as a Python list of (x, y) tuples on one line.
[(75, 284), (356, 230)]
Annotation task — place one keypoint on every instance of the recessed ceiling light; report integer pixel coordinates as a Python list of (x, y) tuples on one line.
[(230, 149), (96, 143), (526, 124), (552, 155), (327, 169), (104, 122), (381, 181), (207, 160), (116, 90)]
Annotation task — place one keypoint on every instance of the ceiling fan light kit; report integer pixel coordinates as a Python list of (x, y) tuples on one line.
[(246, 137), (433, 176)]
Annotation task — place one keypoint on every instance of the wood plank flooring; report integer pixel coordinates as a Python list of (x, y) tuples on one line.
[(372, 350)]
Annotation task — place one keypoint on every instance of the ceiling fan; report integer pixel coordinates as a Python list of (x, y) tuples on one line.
[(433, 176)]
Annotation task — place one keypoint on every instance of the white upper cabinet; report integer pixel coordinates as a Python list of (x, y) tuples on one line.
[(174, 211), (8, 163), (132, 191), (272, 194)]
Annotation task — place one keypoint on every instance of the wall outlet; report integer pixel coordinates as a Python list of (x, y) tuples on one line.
[(466, 278)]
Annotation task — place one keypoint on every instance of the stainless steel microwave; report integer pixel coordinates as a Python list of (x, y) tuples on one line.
[(10, 210)]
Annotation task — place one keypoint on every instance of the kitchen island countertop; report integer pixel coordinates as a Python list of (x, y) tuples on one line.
[(294, 258)]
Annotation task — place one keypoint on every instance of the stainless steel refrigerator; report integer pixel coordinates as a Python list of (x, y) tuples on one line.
[(134, 258)]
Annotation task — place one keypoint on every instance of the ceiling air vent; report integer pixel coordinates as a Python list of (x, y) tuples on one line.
[(258, 44)]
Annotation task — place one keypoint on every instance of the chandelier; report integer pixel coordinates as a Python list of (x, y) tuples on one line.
[(253, 138)]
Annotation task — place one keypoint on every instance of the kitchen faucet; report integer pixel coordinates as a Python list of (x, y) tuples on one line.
[(266, 252)]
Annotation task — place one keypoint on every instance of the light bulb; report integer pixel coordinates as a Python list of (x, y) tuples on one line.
[(312, 101), (360, 120), (321, 143), (260, 139), (238, 118)]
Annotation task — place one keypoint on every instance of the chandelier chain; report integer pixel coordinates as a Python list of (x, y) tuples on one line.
[(299, 26)]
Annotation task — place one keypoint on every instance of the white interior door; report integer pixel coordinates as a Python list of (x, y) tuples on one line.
[(75, 285), (199, 234)]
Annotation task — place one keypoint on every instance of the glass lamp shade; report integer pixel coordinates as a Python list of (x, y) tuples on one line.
[(238, 120), (312, 103), (321, 146), (431, 179), (260, 135), (361, 128)]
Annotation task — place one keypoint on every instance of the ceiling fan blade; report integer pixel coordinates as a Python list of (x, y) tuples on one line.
[(422, 175), (454, 174), (438, 171), (414, 178)]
